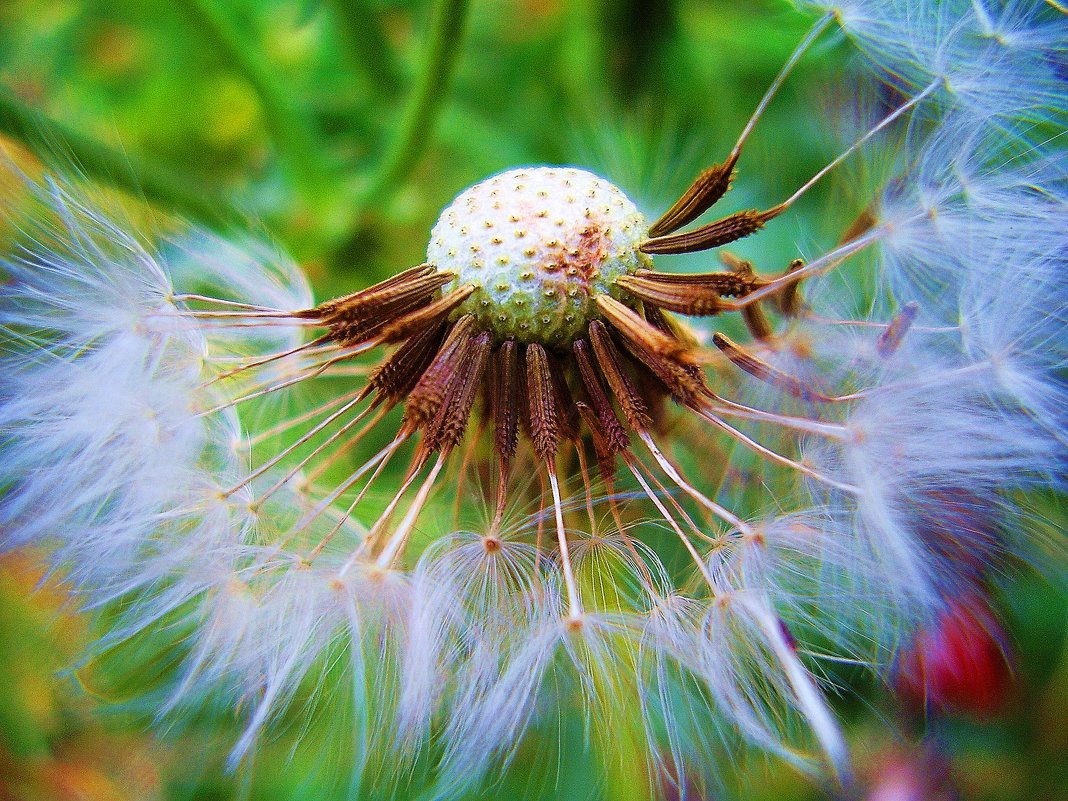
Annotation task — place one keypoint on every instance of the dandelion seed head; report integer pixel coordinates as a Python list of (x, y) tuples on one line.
[(538, 244), (667, 523)]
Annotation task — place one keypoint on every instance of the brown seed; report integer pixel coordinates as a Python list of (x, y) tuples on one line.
[(615, 436), (758, 368), (397, 376), (720, 232), (544, 411), (635, 328), (706, 190), (610, 361), (504, 402), (447, 428)]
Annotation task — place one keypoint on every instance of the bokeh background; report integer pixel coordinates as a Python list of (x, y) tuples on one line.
[(339, 129)]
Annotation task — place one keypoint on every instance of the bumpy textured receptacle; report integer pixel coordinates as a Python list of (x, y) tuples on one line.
[(539, 244)]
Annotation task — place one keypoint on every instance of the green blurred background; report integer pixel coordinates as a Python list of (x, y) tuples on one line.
[(340, 128)]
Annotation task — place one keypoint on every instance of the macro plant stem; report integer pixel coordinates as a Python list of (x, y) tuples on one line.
[(171, 190), (299, 147), (442, 49), (584, 52), (368, 48)]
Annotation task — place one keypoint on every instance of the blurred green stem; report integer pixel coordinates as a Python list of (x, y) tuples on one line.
[(584, 53), (367, 45), (417, 122), (299, 148), (170, 190)]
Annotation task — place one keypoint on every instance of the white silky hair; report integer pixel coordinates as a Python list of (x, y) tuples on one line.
[(468, 603), (917, 436), (964, 210), (110, 459), (98, 433), (810, 568), (723, 671), (995, 59), (1015, 324)]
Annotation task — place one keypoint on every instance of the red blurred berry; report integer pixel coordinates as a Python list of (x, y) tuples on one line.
[(959, 664)]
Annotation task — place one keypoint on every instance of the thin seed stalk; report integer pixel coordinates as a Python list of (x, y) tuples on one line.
[(367, 45)]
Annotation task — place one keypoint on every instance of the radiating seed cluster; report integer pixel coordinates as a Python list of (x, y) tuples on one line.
[(538, 244), (673, 552)]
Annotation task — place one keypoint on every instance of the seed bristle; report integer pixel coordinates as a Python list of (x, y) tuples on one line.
[(614, 434), (447, 428), (720, 232), (703, 193), (544, 406), (610, 360), (504, 402)]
